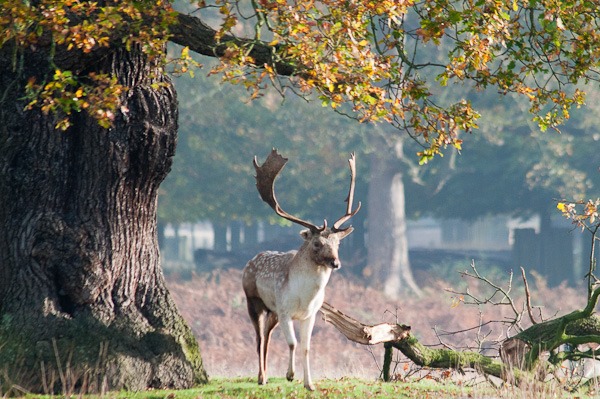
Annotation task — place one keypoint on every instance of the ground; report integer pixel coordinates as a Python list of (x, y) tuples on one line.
[(214, 305)]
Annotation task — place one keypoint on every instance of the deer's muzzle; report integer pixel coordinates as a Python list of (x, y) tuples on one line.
[(335, 263)]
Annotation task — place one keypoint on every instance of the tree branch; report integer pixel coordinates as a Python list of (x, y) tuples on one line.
[(576, 328), (191, 32), (362, 333), (527, 297)]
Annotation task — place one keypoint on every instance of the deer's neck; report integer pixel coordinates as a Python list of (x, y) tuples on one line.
[(304, 270), (305, 288)]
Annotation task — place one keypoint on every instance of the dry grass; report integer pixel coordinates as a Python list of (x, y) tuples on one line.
[(215, 307)]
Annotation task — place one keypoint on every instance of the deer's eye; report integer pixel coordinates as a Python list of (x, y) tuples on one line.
[(317, 245)]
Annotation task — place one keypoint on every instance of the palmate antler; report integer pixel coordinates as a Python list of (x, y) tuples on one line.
[(265, 183)]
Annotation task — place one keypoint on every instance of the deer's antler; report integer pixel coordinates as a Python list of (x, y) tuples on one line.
[(265, 183), (350, 198)]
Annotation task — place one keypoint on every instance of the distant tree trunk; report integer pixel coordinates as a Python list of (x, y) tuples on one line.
[(250, 234), (387, 243), (235, 227), (220, 236), (81, 288)]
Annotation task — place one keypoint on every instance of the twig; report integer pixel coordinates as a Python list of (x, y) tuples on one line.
[(527, 297), (591, 275), (443, 333), (440, 342), (480, 338), (505, 292)]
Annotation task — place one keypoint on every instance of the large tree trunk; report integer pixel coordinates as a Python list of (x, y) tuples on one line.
[(387, 243), (83, 302)]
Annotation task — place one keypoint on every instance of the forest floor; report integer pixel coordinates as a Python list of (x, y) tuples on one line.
[(214, 305)]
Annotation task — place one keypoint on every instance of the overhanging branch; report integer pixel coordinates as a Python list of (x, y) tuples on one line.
[(191, 32)]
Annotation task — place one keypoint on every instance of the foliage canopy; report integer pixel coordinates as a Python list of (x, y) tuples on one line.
[(367, 58)]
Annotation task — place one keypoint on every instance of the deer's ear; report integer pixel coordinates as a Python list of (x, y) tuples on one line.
[(345, 232), (305, 234)]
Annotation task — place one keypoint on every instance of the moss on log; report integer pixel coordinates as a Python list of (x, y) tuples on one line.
[(520, 354), (448, 358), (575, 328)]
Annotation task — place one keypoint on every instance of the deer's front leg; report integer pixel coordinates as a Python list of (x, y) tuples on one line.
[(288, 330), (306, 327)]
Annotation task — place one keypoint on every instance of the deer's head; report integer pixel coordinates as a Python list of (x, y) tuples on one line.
[(322, 246), (321, 242)]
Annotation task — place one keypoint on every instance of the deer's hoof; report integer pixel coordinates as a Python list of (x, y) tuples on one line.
[(309, 386), (290, 376), (262, 380)]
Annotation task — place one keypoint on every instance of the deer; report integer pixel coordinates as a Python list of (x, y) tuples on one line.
[(283, 287)]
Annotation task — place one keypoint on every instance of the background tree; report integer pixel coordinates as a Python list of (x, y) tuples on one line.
[(388, 263), (216, 148), (518, 171), (501, 50), (213, 154)]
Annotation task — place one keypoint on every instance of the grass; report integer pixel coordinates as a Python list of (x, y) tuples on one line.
[(247, 388), (280, 388), (347, 388)]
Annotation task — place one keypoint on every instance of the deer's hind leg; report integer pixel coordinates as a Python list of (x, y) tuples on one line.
[(271, 322), (264, 322)]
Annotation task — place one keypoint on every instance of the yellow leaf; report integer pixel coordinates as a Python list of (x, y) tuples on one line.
[(273, 42), (561, 206)]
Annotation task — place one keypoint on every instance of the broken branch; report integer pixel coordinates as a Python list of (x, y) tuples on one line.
[(361, 333)]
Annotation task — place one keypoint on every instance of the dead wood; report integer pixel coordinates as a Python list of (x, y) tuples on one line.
[(398, 336), (361, 333), (519, 354)]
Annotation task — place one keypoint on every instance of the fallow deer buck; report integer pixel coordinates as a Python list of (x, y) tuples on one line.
[(282, 287)]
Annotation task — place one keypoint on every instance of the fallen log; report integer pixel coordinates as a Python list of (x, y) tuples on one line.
[(457, 360), (398, 336), (519, 354), (361, 333)]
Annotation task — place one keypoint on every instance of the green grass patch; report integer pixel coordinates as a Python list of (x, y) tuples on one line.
[(247, 388), (347, 388)]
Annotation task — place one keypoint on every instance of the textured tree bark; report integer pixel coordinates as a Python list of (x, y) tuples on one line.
[(83, 302), (387, 242)]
